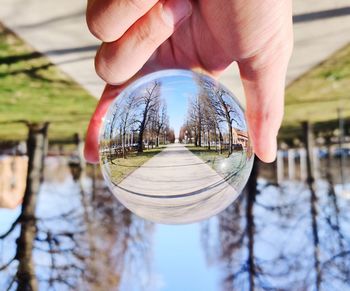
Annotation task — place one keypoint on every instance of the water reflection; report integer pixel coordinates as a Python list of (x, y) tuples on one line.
[(80, 243), (174, 147), (283, 238), (86, 240)]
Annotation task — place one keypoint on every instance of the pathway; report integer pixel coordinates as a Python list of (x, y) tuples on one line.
[(175, 186)]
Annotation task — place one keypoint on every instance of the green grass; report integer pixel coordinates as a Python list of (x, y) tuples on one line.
[(32, 89), (318, 94), (205, 154), (121, 168), (233, 168)]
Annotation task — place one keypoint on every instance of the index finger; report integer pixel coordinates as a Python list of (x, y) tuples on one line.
[(108, 20)]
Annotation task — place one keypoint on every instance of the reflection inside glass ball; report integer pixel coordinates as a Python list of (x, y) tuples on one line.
[(174, 147)]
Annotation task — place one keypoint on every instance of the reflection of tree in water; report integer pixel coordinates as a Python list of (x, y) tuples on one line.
[(87, 246), (121, 240), (236, 237), (266, 241)]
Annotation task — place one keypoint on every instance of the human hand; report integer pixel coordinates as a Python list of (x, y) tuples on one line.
[(142, 36)]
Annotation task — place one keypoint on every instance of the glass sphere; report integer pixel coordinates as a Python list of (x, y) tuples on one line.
[(174, 147)]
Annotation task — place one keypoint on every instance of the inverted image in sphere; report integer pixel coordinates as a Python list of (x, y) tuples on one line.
[(174, 147)]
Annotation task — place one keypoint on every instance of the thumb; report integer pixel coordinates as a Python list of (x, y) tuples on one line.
[(264, 85)]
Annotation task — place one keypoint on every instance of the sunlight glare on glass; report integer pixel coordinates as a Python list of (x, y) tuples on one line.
[(174, 147)]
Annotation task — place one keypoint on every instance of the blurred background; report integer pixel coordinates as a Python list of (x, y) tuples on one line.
[(61, 229)]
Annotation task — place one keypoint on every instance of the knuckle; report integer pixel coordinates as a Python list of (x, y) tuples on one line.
[(97, 29), (92, 26), (153, 31), (139, 5), (102, 70), (106, 70), (145, 34)]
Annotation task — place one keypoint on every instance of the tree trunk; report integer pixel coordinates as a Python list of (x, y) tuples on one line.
[(230, 137), (334, 200), (208, 140), (77, 165), (37, 147), (124, 145), (157, 140), (199, 135), (195, 138), (308, 138), (142, 129), (220, 141), (251, 194), (228, 120), (140, 141)]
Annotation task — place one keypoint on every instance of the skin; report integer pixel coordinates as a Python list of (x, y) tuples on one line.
[(141, 36)]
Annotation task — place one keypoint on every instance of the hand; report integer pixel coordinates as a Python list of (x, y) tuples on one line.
[(140, 36)]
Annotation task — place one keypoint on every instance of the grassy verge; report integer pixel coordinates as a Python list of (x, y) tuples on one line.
[(205, 154), (232, 168), (120, 168), (317, 95), (32, 89)]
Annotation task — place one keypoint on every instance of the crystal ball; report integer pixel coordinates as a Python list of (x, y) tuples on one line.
[(174, 147)]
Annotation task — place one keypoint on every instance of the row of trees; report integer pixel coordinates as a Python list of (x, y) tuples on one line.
[(136, 118), (88, 242), (212, 118), (273, 239)]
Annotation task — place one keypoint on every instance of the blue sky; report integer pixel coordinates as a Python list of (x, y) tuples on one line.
[(180, 259), (176, 91)]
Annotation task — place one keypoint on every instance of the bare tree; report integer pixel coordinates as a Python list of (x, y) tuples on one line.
[(195, 119), (91, 245), (161, 121), (37, 147), (225, 109), (148, 100), (127, 120)]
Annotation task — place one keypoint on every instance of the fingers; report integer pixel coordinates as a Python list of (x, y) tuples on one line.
[(91, 140), (108, 20), (264, 85), (139, 27), (116, 62)]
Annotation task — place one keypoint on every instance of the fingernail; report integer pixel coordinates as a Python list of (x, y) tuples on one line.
[(265, 147), (174, 11), (270, 154)]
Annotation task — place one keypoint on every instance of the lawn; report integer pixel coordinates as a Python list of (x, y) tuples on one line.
[(233, 168), (212, 157), (317, 95), (120, 168), (32, 89), (205, 154)]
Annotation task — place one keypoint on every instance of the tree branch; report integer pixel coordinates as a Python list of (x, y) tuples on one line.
[(341, 254), (11, 283), (4, 267), (11, 228)]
